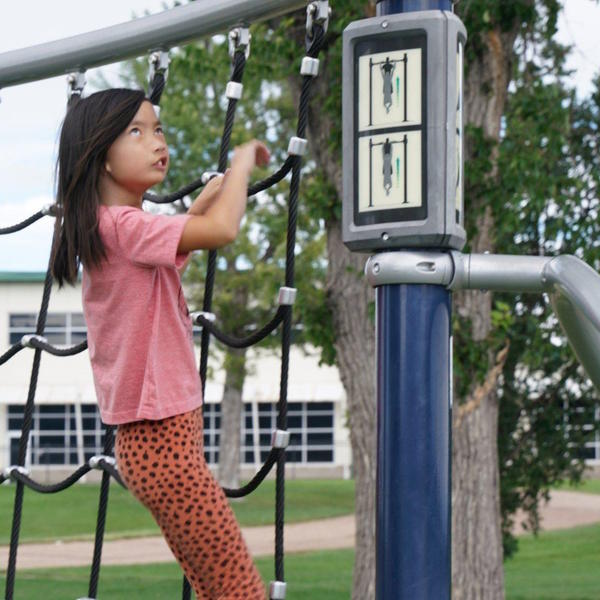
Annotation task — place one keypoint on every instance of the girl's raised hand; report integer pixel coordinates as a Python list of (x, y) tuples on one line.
[(249, 155)]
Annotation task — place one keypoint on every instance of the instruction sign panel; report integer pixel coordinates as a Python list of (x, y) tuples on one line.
[(402, 126)]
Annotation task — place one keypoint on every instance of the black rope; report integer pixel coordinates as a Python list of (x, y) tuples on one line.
[(101, 520), (11, 352), (29, 221), (252, 339), (23, 441), (156, 88), (257, 479), (65, 483)]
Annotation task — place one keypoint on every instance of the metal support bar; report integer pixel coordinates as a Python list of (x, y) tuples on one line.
[(169, 28)]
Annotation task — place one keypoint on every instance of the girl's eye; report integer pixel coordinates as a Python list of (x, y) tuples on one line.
[(160, 130), (135, 131)]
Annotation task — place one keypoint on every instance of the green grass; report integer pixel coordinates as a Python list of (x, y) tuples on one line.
[(71, 514), (315, 575), (589, 486), (557, 565)]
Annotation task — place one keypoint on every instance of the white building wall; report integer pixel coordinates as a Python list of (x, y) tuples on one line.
[(68, 380)]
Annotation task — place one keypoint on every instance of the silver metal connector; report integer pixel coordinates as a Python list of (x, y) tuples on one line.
[(297, 146), (94, 461), (280, 438), (27, 339), (310, 66), (239, 40), (234, 90), (287, 296), (277, 590)]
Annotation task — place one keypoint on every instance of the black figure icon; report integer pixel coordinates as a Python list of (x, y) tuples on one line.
[(388, 166), (387, 68)]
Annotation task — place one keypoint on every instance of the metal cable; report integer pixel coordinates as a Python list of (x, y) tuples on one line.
[(30, 220)]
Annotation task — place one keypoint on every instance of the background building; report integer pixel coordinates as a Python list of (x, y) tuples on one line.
[(67, 429)]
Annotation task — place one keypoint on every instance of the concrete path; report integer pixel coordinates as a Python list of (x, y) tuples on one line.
[(565, 509)]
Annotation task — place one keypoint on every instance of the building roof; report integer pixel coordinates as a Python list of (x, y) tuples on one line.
[(22, 276)]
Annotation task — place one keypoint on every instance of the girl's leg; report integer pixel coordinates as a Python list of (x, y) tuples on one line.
[(162, 463)]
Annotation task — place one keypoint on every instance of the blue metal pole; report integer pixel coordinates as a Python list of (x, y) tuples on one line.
[(413, 443), (391, 7), (414, 427)]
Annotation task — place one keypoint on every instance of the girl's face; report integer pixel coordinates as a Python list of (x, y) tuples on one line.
[(139, 157)]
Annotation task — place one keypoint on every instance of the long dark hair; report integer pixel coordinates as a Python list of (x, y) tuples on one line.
[(90, 127)]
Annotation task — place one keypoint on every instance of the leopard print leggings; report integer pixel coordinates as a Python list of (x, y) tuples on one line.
[(162, 463)]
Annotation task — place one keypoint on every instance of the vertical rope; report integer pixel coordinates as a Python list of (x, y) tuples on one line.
[(24, 440), (101, 519)]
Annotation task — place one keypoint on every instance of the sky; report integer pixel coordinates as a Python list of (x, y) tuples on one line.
[(30, 114)]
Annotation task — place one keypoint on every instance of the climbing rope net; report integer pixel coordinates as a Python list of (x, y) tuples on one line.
[(239, 48)]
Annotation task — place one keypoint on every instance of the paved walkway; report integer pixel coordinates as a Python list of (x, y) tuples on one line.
[(566, 509)]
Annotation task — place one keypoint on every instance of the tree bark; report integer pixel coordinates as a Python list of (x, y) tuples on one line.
[(477, 556), (231, 418)]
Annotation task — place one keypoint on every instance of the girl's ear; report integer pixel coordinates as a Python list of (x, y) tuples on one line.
[(107, 168)]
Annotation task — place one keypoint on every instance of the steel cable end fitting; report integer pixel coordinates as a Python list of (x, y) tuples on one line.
[(27, 339), (94, 461), (239, 41), (159, 62), (211, 317), (76, 82), (277, 590), (8, 471), (316, 13), (50, 209), (234, 90), (280, 438), (297, 146), (208, 175), (310, 66), (287, 296)]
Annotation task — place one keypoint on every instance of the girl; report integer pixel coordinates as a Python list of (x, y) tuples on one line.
[(112, 149)]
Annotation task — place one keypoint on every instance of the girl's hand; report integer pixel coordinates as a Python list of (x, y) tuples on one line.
[(208, 195), (249, 155)]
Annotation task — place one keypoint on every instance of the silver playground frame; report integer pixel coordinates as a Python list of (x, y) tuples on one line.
[(571, 284), (141, 36)]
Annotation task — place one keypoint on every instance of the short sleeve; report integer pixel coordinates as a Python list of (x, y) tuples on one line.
[(150, 239)]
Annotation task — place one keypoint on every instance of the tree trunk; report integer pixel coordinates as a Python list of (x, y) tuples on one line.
[(477, 557), (349, 298), (231, 418)]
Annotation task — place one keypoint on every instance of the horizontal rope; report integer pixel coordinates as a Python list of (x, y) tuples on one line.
[(65, 483), (10, 353), (257, 336), (257, 479), (29, 221)]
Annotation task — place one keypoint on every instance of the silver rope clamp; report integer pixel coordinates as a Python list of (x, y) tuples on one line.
[(234, 90), (8, 471), (310, 66), (280, 438), (76, 82), (277, 590), (27, 339), (297, 146), (94, 461), (317, 13), (206, 315), (287, 296), (239, 41), (50, 209), (208, 175), (159, 62)]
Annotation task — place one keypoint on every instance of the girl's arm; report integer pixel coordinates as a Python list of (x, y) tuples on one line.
[(220, 223)]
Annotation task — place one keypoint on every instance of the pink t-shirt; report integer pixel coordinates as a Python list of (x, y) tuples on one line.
[(139, 329)]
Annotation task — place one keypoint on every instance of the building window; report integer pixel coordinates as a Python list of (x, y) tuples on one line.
[(311, 425), (60, 434), (62, 329), (64, 435)]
